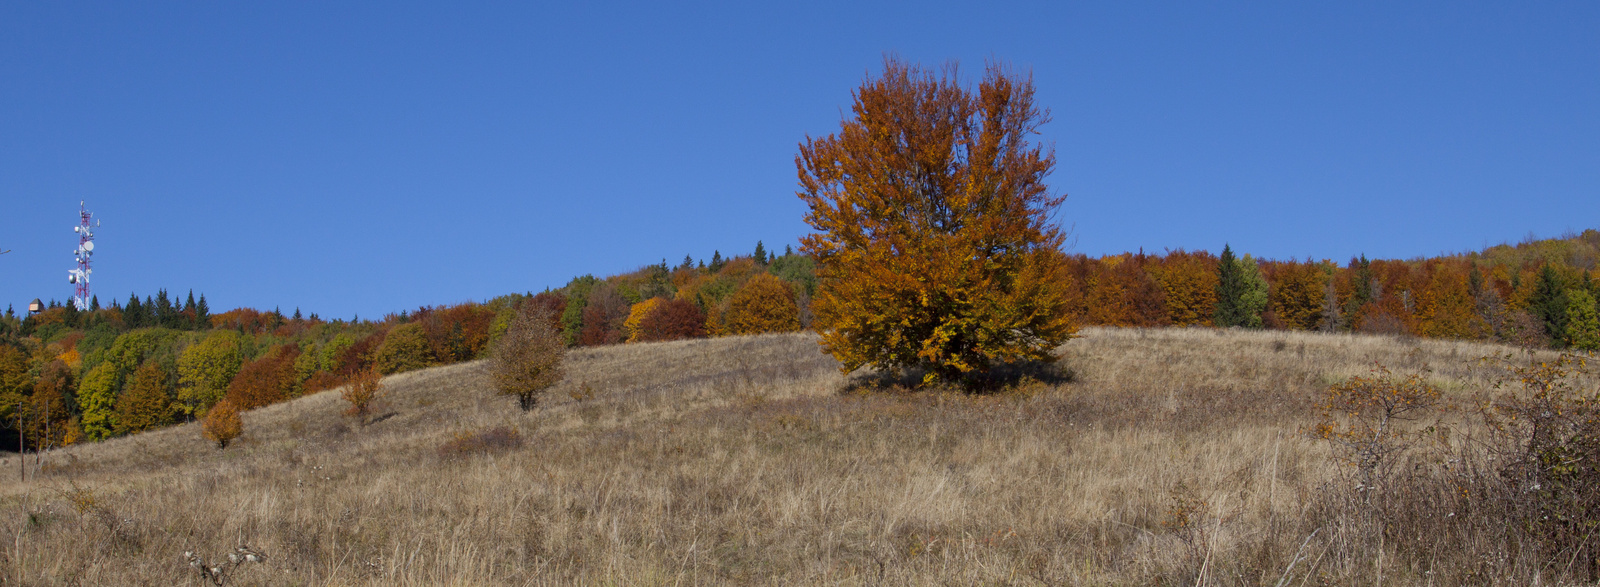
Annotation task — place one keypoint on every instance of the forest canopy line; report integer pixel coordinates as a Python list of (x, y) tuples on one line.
[(68, 376)]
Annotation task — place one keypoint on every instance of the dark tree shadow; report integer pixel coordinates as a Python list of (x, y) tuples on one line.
[(998, 378)]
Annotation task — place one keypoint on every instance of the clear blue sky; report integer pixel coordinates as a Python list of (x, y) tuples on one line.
[(369, 158)]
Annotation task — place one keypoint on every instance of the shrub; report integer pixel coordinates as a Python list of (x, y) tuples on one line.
[(222, 424), (1367, 420), (764, 304), (144, 405), (673, 320), (527, 360), (362, 390), (406, 348)]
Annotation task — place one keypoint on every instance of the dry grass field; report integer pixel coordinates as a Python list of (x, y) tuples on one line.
[(1162, 457)]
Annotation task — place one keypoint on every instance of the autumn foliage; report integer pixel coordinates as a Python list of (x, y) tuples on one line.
[(264, 381), (672, 320), (222, 424), (528, 359), (764, 304), (934, 244)]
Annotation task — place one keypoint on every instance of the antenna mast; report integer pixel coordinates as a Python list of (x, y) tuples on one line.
[(83, 254)]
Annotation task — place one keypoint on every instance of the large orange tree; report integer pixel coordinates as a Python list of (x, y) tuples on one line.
[(934, 241)]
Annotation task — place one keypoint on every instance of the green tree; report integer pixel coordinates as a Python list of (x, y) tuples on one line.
[(97, 401), (1253, 297), (1549, 303), (1582, 321), (404, 349), (1230, 289), (206, 368)]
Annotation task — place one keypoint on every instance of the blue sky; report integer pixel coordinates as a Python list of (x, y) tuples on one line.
[(367, 158)]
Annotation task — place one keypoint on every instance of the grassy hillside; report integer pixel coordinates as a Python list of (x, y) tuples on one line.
[(1171, 456)]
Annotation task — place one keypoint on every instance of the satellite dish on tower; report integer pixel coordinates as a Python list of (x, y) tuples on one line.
[(88, 246)]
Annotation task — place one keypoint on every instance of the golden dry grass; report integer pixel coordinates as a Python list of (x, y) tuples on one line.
[(1172, 457)]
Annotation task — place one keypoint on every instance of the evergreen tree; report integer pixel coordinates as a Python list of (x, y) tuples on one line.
[(761, 253), (1549, 303), (202, 313), (788, 250), (150, 317), (133, 313), (688, 262), (716, 261), (94, 303), (297, 316), (1230, 287)]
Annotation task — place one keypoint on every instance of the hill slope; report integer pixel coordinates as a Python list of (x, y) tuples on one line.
[(745, 460)]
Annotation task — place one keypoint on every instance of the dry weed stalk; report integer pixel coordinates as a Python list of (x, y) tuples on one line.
[(219, 572)]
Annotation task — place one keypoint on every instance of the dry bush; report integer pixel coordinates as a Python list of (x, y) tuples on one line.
[(1371, 420), (365, 388), (493, 440), (527, 360), (222, 424)]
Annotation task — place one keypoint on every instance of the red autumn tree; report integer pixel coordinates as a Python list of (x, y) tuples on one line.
[(673, 320), (265, 381)]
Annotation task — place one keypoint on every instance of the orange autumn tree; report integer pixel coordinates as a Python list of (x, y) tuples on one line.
[(934, 244)]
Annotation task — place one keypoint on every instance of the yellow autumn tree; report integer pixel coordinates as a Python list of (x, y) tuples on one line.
[(934, 243), (764, 304), (637, 314)]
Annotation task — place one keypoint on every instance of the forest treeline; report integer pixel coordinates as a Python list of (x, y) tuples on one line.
[(69, 376)]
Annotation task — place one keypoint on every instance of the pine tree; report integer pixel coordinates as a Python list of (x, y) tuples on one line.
[(1230, 287), (189, 312), (1549, 303), (716, 261), (133, 313), (94, 303), (688, 262), (202, 313), (761, 253), (166, 315)]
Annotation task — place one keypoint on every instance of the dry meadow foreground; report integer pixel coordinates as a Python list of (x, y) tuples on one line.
[(1172, 457)]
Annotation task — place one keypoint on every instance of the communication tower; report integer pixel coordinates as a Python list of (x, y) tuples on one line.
[(83, 254)]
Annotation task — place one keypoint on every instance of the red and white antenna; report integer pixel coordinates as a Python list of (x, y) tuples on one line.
[(84, 253)]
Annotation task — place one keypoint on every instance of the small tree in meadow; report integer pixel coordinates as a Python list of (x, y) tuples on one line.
[(364, 389), (222, 424), (527, 360)]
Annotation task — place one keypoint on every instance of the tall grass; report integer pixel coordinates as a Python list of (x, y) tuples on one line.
[(1167, 457)]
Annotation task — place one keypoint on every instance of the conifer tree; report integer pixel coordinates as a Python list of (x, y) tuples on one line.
[(1230, 287), (202, 313), (133, 313), (1549, 303), (716, 261), (94, 303), (761, 253)]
